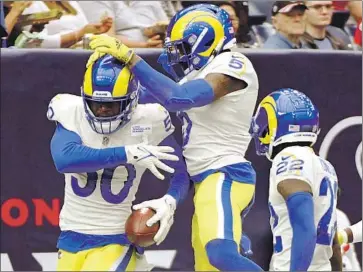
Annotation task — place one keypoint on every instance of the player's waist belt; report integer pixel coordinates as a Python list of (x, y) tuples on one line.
[(74, 241), (240, 172)]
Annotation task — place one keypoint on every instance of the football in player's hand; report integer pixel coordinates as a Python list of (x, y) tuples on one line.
[(137, 231)]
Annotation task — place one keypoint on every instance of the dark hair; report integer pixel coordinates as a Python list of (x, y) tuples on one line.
[(225, 3), (277, 149)]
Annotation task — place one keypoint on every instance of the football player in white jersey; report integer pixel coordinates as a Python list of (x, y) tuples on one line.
[(303, 186), (349, 255), (103, 143), (351, 234), (215, 97)]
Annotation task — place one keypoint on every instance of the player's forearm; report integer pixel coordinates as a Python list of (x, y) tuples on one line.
[(179, 182), (301, 213), (70, 156), (71, 38), (129, 43), (11, 19), (171, 95), (336, 260), (145, 97), (356, 231)]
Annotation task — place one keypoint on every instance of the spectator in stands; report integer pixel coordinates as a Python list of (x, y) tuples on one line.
[(16, 8), (130, 20), (3, 32), (354, 7), (288, 18), (59, 33), (317, 34), (231, 10), (171, 7), (358, 35)]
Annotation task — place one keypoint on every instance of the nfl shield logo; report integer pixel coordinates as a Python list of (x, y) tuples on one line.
[(105, 140)]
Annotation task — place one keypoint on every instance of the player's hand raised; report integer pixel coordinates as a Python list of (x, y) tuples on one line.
[(149, 156), (164, 208), (104, 44)]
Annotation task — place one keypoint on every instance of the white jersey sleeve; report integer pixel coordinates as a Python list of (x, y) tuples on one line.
[(293, 163), (234, 64), (67, 110)]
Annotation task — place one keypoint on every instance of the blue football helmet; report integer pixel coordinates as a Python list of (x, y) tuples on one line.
[(195, 35), (109, 83), (284, 116)]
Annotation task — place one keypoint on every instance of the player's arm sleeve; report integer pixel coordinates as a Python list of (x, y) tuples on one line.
[(163, 130), (179, 181), (357, 232), (289, 167), (174, 97), (145, 97), (71, 156), (300, 207)]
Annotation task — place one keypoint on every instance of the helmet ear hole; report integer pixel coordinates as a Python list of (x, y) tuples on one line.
[(208, 44), (265, 132)]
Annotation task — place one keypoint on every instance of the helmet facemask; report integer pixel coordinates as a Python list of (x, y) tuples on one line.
[(177, 58), (112, 123)]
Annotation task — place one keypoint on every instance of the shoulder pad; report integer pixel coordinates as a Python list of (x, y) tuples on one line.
[(65, 109), (158, 117), (294, 162), (233, 64)]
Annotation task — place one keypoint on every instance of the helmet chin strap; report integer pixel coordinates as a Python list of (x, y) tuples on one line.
[(217, 49), (230, 44), (312, 139), (270, 147)]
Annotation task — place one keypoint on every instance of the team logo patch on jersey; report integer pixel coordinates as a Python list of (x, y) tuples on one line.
[(138, 130)]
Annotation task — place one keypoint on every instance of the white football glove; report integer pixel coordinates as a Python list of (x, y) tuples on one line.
[(164, 208), (149, 156)]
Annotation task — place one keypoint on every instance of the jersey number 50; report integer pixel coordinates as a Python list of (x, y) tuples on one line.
[(106, 179)]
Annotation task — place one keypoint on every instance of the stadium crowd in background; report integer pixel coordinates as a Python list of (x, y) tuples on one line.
[(324, 25), (142, 24)]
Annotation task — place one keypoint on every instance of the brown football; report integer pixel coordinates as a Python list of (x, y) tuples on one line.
[(137, 231)]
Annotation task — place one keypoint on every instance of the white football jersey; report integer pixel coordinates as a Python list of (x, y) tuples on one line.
[(350, 260), (301, 163), (217, 135), (100, 202)]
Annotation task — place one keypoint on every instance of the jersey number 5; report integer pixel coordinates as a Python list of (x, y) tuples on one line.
[(106, 180), (235, 63)]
